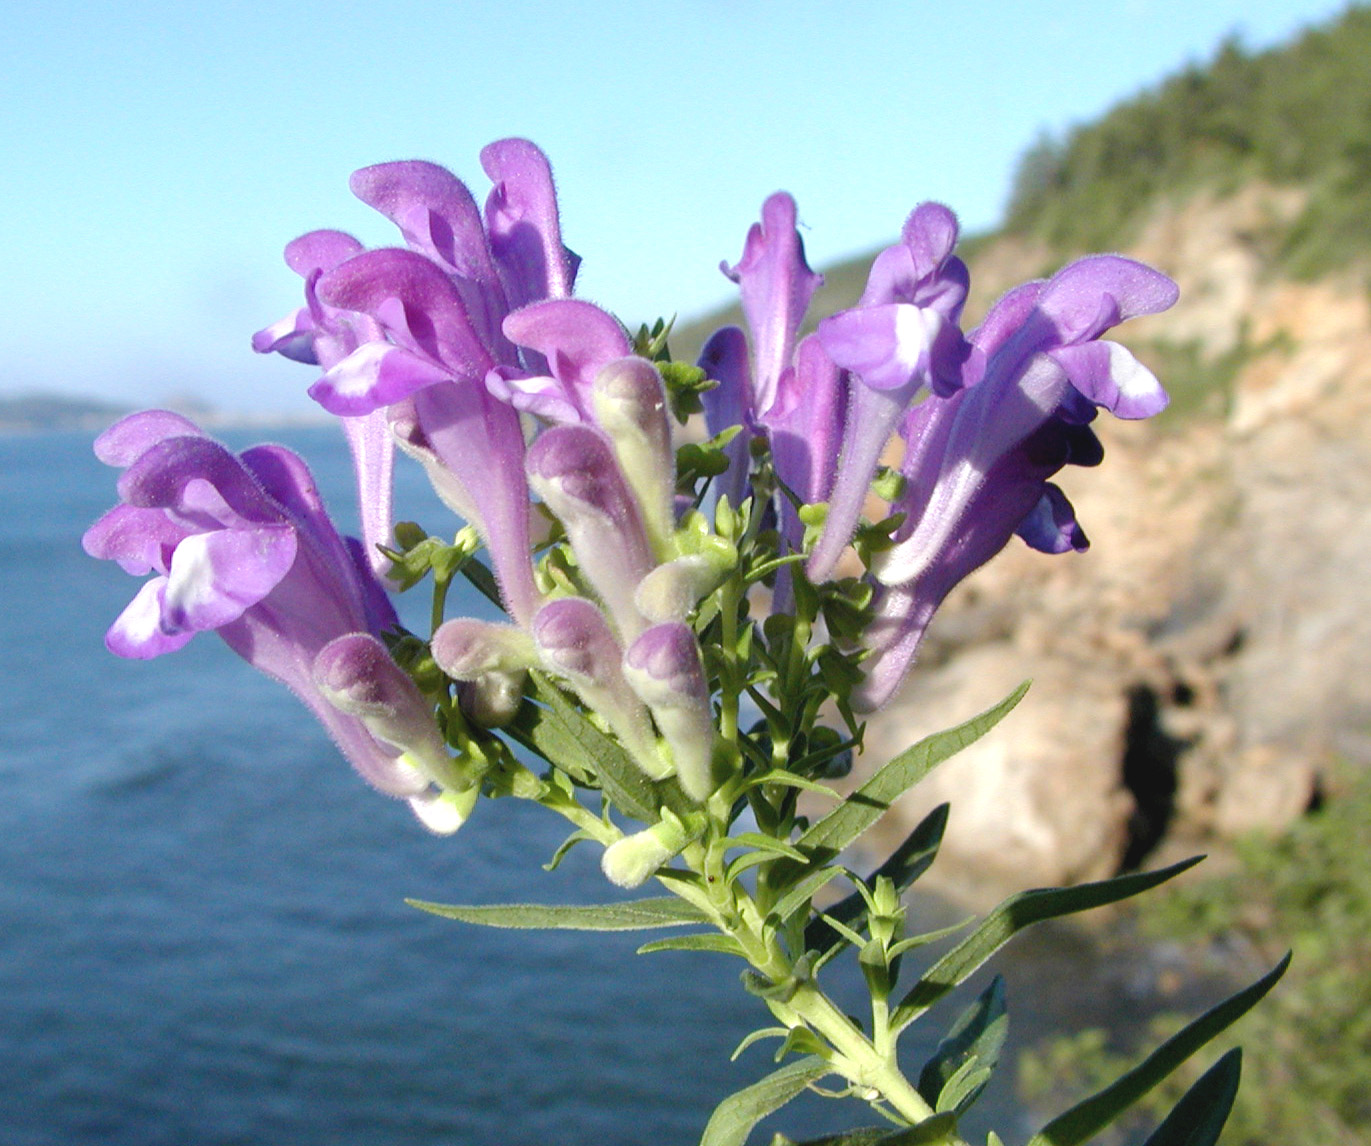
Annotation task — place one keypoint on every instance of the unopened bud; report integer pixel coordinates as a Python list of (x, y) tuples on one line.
[(633, 860)]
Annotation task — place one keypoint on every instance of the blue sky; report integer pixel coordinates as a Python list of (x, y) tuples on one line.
[(159, 155)]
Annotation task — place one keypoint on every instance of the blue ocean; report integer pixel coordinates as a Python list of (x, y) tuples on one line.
[(203, 934)]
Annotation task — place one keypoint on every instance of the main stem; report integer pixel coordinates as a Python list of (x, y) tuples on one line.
[(872, 1070)]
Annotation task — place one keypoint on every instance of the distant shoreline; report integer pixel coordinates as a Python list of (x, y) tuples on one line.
[(41, 413)]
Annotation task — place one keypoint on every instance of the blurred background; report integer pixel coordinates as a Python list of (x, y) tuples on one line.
[(202, 938)]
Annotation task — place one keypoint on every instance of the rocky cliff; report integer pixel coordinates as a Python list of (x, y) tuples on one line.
[(1199, 670)]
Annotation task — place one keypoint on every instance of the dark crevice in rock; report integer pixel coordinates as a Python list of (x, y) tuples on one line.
[(1150, 759)]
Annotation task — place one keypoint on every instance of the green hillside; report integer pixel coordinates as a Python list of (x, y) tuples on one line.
[(1299, 114)]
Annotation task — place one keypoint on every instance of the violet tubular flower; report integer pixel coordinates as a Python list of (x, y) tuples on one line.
[(978, 462), (241, 545), (901, 338), (430, 323)]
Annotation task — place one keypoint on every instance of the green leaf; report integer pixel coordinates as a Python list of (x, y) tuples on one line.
[(1012, 916), (938, 1129), (626, 785), (1091, 1116), (864, 807), (734, 1118), (865, 1136), (803, 892), (1199, 1116), (961, 1066), (764, 844), (482, 579), (757, 1036), (906, 864), (703, 941), (634, 915)]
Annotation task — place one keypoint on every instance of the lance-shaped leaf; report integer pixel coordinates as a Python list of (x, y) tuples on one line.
[(865, 806), (1012, 916), (622, 780), (1199, 1117), (734, 1118), (961, 1066), (635, 915), (701, 941), (1088, 1118)]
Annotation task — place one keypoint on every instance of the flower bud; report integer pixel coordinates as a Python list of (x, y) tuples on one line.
[(671, 591), (663, 667), (573, 470), (443, 812), (356, 675), (467, 649), (629, 400), (575, 642), (633, 860)]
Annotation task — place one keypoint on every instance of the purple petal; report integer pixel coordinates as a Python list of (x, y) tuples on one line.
[(1088, 296), (415, 301), (806, 430), (576, 338), (888, 347), (724, 359), (522, 226), (177, 474), (320, 251), (434, 211), (1051, 525), (140, 540), (292, 337), (137, 633), (373, 376), (538, 394), (215, 577), (479, 441), (776, 286), (132, 436), (930, 234), (373, 462), (1110, 376)]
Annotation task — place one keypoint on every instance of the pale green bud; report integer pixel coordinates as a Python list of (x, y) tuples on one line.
[(444, 812), (633, 860), (629, 400)]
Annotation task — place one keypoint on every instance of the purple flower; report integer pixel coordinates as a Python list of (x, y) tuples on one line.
[(977, 462), (410, 336), (900, 338), (434, 370), (324, 336), (241, 545), (776, 285)]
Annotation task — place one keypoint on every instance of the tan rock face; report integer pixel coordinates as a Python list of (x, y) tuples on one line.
[(1205, 660)]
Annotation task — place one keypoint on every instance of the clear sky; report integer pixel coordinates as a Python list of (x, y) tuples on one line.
[(158, 155)]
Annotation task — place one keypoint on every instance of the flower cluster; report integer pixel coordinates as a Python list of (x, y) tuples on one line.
[(545, 426)]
